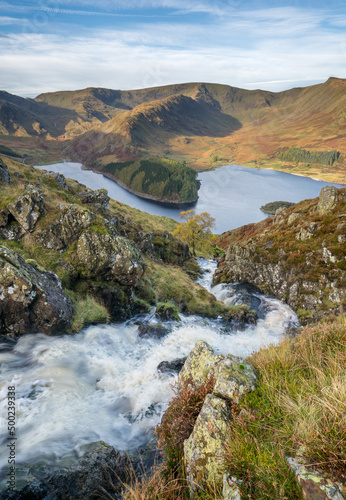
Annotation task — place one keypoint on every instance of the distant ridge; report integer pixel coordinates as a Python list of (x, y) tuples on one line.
[(204, 124)]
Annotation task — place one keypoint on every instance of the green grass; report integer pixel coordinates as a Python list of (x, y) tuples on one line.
[(87, 311)]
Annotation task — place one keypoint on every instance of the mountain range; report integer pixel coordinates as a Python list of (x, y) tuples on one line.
[(203, 124)]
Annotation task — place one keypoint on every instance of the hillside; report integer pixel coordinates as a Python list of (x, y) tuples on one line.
[(203, 124), (297, 255)]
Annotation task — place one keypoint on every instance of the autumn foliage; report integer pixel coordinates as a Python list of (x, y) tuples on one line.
[(196, 231)]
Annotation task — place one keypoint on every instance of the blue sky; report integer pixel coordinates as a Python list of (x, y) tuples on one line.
[(49, 45)]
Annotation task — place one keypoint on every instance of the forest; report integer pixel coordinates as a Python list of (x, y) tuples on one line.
[(158, 177), (302, 155)]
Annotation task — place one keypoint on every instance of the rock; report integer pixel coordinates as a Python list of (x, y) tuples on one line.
[(204, 449), (164, 246), (167, 312), (293, 217), (235, 378), (315, 484), (30, 301), (303, 234), (5, 177), (98, 198), (27, 208), (328, 199), (230, 488), (100, 468), (70, 222), (171, 366), (153, 331), (111, 258), (117, 299), (12, 231), (201, 363), (206, 445)]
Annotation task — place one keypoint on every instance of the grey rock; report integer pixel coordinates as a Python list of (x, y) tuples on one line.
[(64, 230), (112, 258), (30, 301), (27, 208), (98, 198), (328, 199)]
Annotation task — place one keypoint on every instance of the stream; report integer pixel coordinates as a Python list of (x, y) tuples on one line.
[(103, 383)]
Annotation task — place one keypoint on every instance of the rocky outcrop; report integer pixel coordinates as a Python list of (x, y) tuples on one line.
[(30, 301), (5, 177), (21, 215), (27, 208), (99, 198), (327, 200), (164, 246), (66, 228), (299, 256), (100, 471), (102, 255), (205, 447), (315, 484)]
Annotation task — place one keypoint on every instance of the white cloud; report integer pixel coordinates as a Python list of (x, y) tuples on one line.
[(271, 49)]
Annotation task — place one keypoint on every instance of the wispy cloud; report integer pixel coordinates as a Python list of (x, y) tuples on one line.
[(270, 48)]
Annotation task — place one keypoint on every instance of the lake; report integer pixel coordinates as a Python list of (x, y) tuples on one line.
[(232, 194)]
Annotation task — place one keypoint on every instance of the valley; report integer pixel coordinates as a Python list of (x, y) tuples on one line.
[(206, 125)]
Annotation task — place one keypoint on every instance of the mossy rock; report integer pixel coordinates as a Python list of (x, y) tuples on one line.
[(167, 311)]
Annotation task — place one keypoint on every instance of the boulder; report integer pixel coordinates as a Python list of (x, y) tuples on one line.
[(27, 208), (230, 488), (101, 469), (71, 221), (200, 365), (171, 366), (112, 258), (204, 449), (152, 331), (30, 301), (206, 445), (167, 312), (328, 199), (5, 177), (58, 178), (315, 484), (235, 378), (98, 198)]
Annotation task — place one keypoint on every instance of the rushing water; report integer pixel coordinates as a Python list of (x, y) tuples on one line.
[(103, 383), (232, 194)]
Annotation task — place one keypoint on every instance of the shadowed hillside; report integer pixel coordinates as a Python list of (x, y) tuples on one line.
[(203, 124)]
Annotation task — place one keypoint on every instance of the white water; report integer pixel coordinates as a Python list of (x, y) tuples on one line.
[(103, 383)]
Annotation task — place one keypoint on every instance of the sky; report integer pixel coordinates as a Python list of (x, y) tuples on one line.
[(51, 45)]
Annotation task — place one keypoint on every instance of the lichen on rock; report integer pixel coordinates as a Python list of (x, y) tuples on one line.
[(30, 301), (113, 258)]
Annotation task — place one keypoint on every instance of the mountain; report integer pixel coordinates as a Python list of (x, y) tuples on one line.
[(203, 124)]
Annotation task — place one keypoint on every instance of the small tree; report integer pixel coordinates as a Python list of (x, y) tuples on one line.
[(195, 230)]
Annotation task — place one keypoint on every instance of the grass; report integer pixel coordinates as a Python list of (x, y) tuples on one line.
[(298, 407), (87, 311), (172, 284)]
